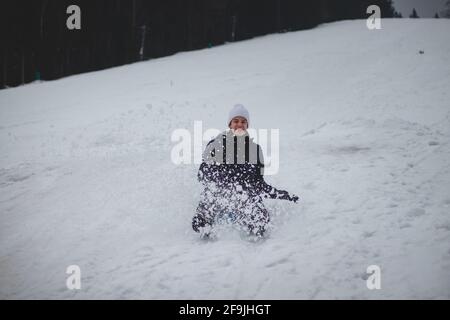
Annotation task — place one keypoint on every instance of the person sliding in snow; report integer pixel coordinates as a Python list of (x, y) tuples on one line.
[(232, 172)]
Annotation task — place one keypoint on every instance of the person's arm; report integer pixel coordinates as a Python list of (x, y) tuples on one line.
[(209, 172), (210, 169), (265, 189)]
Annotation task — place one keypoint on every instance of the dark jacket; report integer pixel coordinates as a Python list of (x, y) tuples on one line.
[(232, 163)]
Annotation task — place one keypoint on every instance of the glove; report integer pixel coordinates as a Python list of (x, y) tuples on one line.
[(284, 195)]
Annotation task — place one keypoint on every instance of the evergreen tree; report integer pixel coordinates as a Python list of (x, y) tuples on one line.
[(414, 14), (36, 44), (446, 12)]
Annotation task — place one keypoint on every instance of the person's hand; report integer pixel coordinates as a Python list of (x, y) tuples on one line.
[(284, 195)]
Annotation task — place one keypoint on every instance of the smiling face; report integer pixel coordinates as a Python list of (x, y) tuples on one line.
[(238, 123)]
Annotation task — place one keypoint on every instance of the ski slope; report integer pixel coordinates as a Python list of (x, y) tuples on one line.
[(86, 176)]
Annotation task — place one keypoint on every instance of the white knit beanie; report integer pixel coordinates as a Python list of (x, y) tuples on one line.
[(238, 111)]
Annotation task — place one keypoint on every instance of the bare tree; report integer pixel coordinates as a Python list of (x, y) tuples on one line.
[(446, 12), (44, 5), (5, 66), (414, 14), (22, 66)]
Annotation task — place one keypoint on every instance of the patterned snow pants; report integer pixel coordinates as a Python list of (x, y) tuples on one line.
[(248, 211)]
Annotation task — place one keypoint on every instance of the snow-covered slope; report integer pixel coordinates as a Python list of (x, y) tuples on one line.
[(86, 176)]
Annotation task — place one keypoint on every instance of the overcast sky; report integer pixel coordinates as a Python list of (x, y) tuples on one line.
[(424, 8)]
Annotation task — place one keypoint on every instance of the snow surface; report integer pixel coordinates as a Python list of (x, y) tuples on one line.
[(86, 176)]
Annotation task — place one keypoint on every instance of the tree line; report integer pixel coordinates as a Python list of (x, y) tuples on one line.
[(37, 45)]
